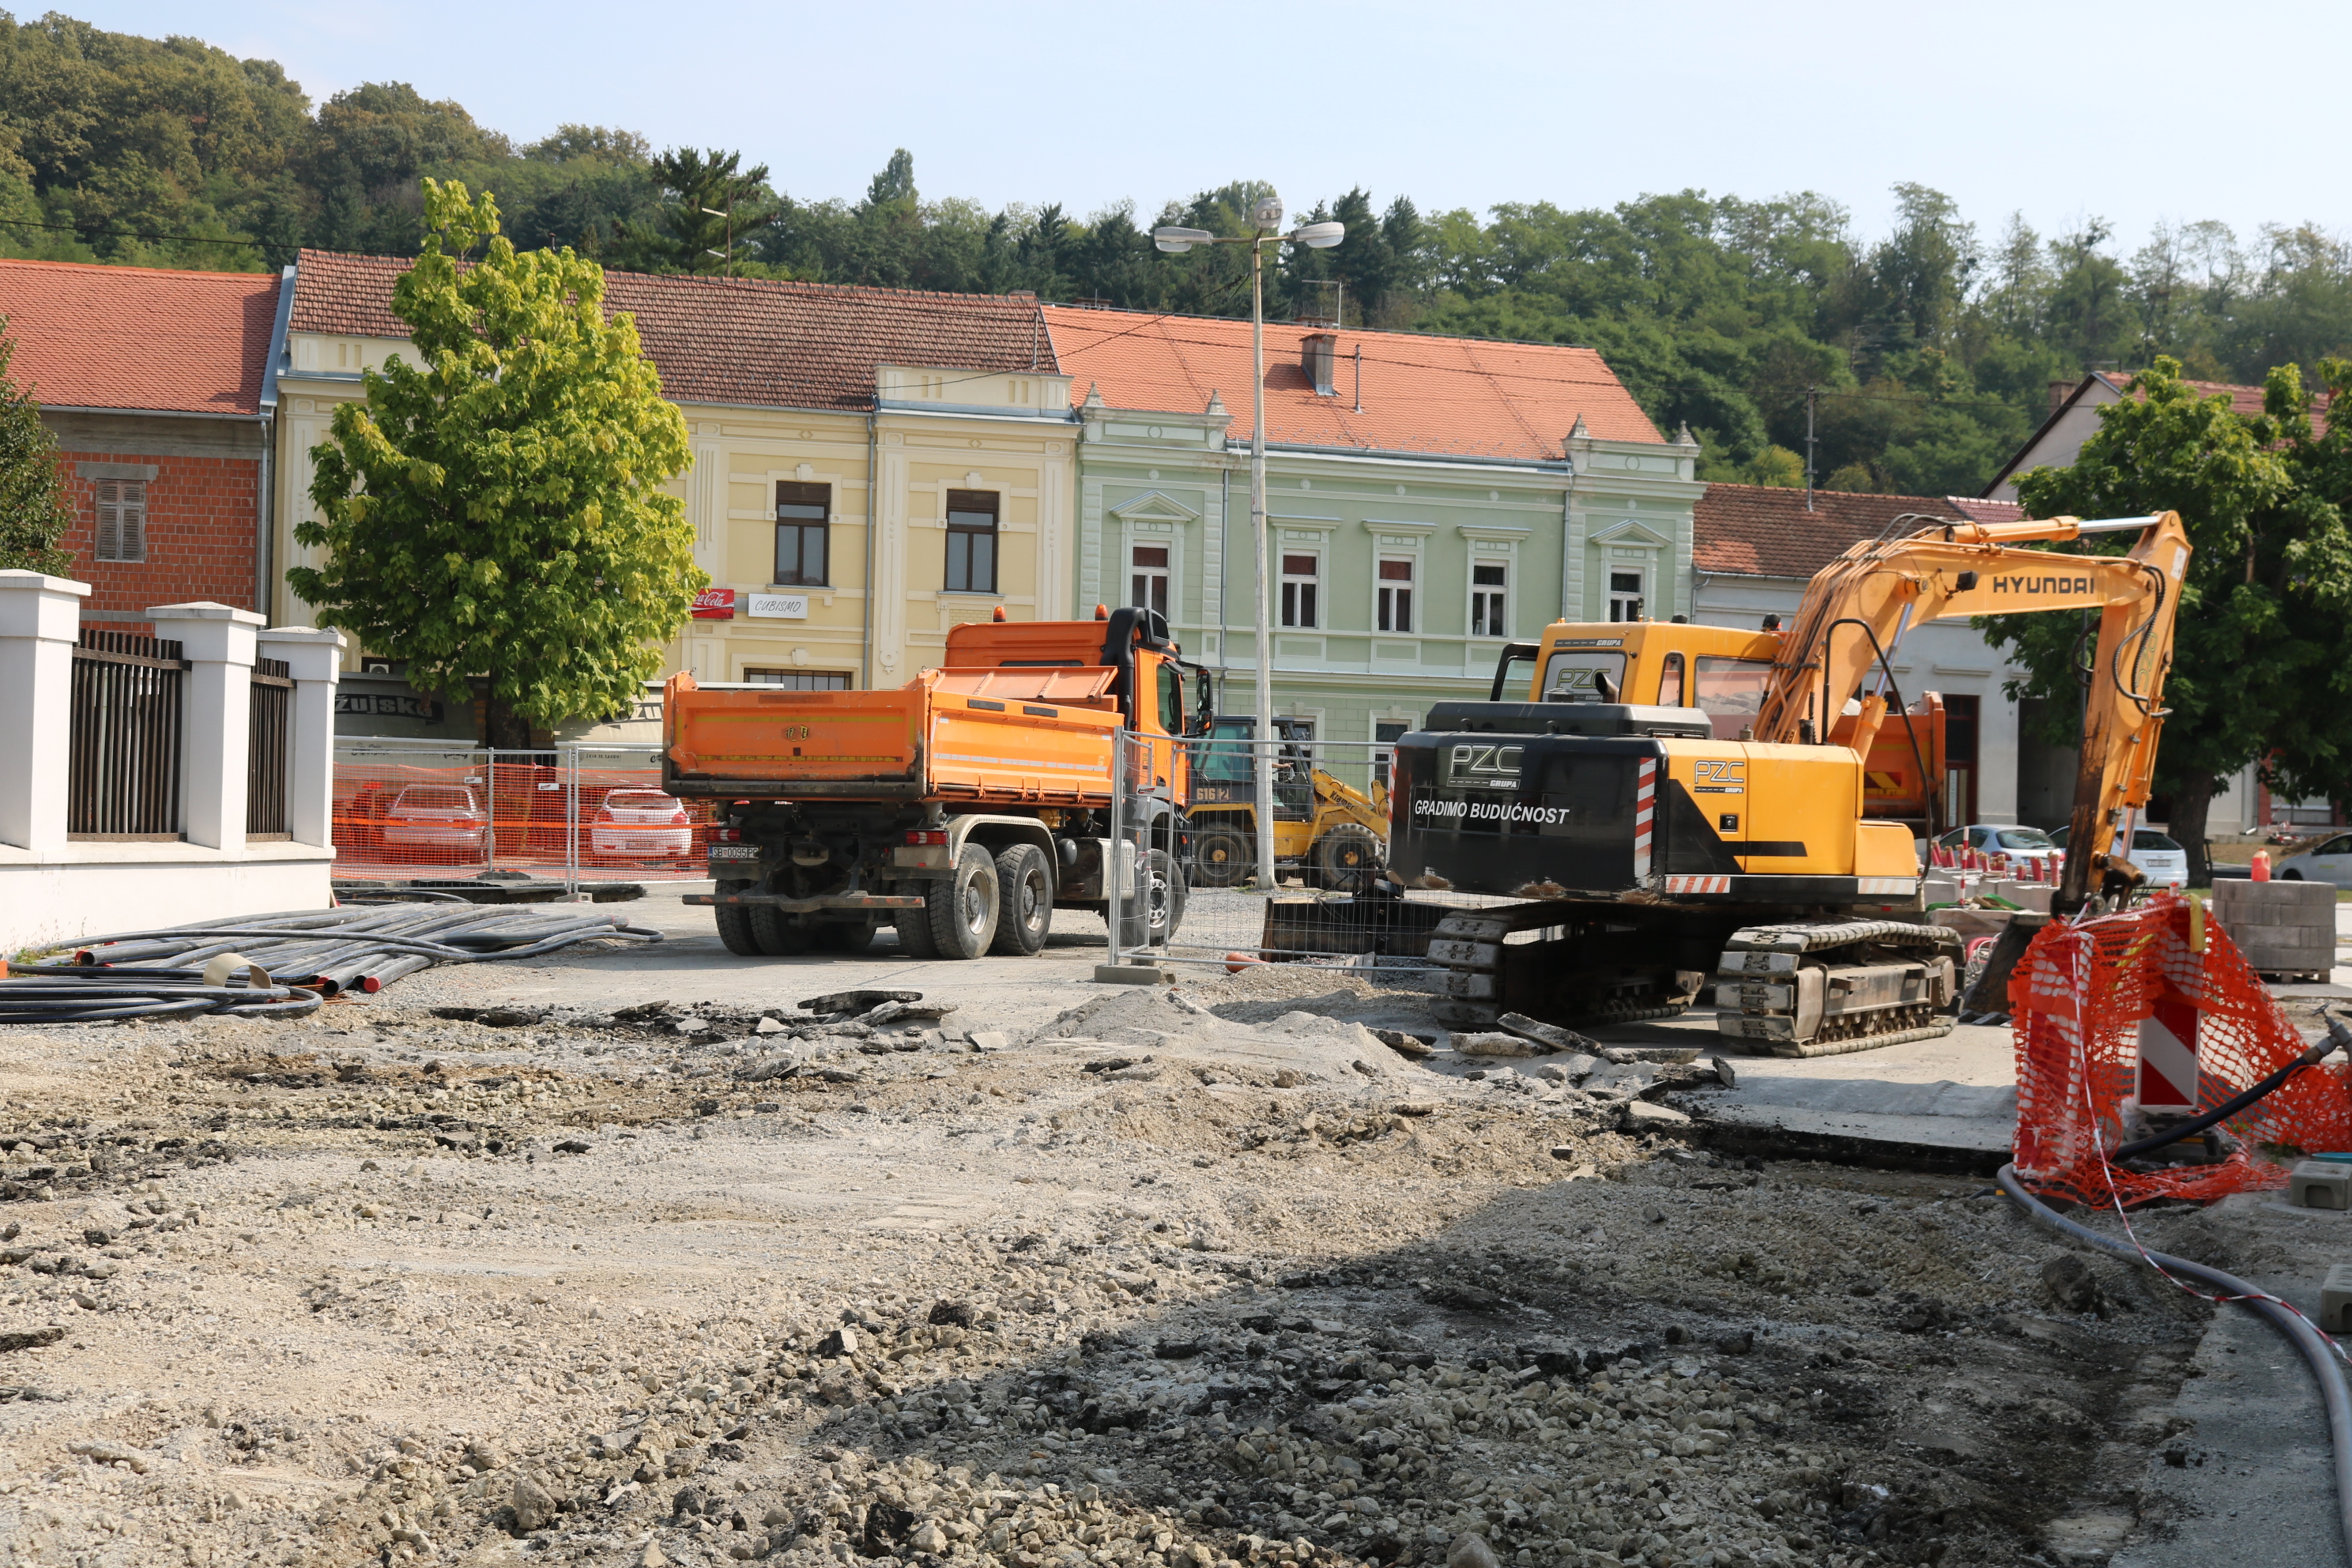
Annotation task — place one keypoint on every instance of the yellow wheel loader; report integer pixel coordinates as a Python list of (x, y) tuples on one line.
[(1332, 835)]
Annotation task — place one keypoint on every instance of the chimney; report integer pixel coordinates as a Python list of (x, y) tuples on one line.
[(2060, 390), (1318, 356)]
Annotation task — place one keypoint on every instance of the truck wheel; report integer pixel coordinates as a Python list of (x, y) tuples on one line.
[(1024, 901), (845, 936), (1156, 907), (735, 923), (1348, 857), (963, 912), (1223, 858), (780, 935), (914, 927)]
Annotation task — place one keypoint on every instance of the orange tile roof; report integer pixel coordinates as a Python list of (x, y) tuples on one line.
[(139, 338), (740, 341), (1444, 396), (1764, 531)]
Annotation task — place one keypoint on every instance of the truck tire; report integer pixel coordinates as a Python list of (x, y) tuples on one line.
[(1156, 907), (844, 936), (915, 926), (1346, 857), (1024, 901), (735, 923), (1223, 858), (780, 935), (963, 909)]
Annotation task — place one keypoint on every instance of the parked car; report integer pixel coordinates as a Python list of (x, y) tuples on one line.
[(2164, 861), (2327, 861), (2003, 838), (436, 817), (641, 823)]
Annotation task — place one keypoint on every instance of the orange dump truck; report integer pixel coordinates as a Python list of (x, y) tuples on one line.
[(963, 807)]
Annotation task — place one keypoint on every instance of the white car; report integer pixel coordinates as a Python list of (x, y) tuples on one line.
[(2330, 861), (2003, 839), (641, 823), (2164, 861)]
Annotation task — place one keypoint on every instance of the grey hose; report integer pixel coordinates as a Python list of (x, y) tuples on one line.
[(2314, 1345)]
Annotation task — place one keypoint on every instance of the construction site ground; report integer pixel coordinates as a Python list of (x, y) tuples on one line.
[(620, 1257)]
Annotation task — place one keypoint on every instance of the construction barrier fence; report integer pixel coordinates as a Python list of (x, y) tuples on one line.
[(578, 813), (1330, 824), (2123, 1021)]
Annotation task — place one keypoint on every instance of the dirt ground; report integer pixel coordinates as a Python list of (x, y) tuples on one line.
[(1071, 1274)]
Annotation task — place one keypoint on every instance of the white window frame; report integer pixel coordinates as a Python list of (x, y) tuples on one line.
[(1290, 582), (120, 530), (1164, 574), (1482, 592), (1622, 606), (1391, 597)]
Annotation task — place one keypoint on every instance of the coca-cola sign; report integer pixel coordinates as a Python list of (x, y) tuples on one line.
[(715, 605)]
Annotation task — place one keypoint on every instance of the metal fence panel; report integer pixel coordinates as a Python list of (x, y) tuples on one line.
[(1192, 895), (122, 771), (271, 715)]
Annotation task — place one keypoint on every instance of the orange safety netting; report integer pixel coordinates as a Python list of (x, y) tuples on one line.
[(401, 820), (2156, 1003)]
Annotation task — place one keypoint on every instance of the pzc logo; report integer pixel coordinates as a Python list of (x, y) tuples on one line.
[(1719, 776), (1486, 767)]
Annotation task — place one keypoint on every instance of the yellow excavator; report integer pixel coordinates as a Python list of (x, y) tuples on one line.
[(1330, 832), (1677, 805)]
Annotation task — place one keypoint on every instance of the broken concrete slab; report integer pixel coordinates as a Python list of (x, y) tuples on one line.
[(1549, 1034), (856, 1001)]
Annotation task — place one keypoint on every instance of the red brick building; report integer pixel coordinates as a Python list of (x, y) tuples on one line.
[(157, 385)]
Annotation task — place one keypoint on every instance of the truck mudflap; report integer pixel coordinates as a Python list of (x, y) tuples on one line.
[(809, 906)]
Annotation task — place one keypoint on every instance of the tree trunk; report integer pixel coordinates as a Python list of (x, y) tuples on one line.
[(2192, 801), (503, 727)]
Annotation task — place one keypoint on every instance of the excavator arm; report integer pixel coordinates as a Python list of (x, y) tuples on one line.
[(1859, 607)]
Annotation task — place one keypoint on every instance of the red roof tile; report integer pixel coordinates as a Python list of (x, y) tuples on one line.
[(1452, 397), (138, 338), (1764, 531), (739, 340)]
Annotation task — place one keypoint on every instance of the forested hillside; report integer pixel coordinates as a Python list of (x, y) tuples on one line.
[(1932, 347)]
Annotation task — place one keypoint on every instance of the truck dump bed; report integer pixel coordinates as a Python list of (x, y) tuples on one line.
[(1039, 735)]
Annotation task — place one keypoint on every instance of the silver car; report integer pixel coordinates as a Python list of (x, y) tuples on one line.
[(2330, 861), (2163, 858)]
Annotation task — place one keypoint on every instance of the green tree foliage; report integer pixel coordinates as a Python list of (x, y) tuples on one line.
[(711, 207), (33, 515), (499, 511), (2259, 635), (1929, 350)]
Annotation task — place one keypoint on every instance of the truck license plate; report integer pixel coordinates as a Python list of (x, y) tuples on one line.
[(734, 852)]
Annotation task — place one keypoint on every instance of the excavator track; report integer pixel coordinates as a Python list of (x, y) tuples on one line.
[(1484, 975), (1816, 989)]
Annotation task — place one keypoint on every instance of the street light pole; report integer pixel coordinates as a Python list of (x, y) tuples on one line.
[(1262, 763), (1264, 218)]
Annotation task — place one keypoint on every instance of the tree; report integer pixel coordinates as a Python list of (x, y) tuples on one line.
[(719, 203), (498, 512), (2252, 645), (33, 515)]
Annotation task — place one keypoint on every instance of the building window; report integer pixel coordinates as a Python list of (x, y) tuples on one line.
[(1301, 574), (800, 679), (1488, 583), (1149, 578), (800, 513), (121, 520), (971, 542), (1396, 595), (1385, 734), (1625, 593)]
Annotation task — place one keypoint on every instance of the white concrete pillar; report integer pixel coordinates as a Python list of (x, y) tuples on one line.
[(314, 658), (217, 641), (40, 617)]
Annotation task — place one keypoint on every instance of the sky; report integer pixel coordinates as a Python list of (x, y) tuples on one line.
[(2065, 112)]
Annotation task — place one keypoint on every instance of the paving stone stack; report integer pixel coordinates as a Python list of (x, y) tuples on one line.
[(2287, 929)]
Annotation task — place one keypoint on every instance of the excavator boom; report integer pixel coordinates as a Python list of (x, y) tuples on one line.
[(1858, 607)]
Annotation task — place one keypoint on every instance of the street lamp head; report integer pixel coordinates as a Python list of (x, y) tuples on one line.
[(1177, 241), (1321, 235), (1267, 213)]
